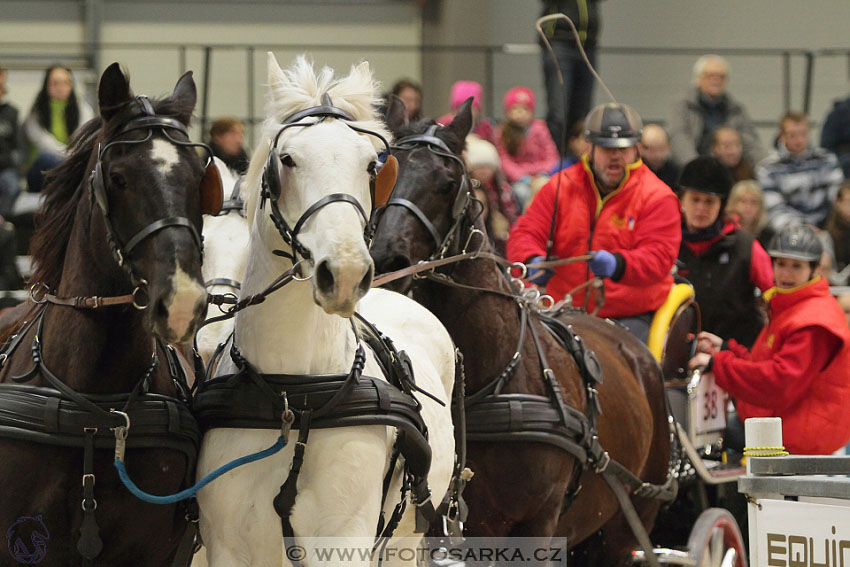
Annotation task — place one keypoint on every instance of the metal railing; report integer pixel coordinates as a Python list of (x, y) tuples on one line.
[(79, 56)]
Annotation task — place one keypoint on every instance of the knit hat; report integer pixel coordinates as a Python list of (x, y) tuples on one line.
[(462, 90), (706, 174), (519, 95), (480, 152)]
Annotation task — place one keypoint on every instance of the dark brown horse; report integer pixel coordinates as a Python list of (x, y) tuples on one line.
[(519, 489), (134, 224)]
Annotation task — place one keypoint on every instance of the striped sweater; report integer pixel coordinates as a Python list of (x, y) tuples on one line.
[(799, 189)]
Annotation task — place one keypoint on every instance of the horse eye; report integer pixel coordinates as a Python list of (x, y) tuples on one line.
[(117, 180), (287, 160), (373, 168)]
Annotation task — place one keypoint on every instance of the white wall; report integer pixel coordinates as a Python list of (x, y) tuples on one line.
[(393, 27), (648, 82)]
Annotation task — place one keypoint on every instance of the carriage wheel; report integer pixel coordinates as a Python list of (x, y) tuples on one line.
[(716, 541)]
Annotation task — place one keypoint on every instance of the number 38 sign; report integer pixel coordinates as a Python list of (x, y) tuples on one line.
[(708, 405)]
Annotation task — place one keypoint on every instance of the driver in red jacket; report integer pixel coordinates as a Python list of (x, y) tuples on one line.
[(612, 205), (799, 366)]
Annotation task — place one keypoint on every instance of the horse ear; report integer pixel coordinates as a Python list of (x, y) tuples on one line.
[(462, 122), (396, 113), (186, 95), (113, 91), (276, 75)]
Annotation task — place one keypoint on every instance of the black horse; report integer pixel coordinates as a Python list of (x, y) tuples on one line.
[(117, 276), (527, 487)]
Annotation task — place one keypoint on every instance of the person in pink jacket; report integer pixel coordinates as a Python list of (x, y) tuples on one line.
[(526, 148)]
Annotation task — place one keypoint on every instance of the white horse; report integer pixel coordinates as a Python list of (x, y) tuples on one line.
[(303, 328), (225, 258)]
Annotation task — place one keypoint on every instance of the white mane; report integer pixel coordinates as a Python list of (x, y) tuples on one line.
[(300, 87)]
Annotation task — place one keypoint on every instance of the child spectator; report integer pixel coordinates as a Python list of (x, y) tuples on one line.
[(482, 164), (410, 94), (799, 180), (577, 146), (55, 116), (526, 148), (462, 90)]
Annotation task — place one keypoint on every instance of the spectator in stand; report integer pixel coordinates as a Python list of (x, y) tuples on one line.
[(526, 149), (835, 134), (613, 205), (568, 103), (462, 90), (227, 134), (655, 152), (410, 94), (708, 106), (746, 207), (837, 232), (725, 264), (577, 146), (799, 366), (799, 181), (55, 115), (10, 150), (484, 166), (729, 150), (10, 277)]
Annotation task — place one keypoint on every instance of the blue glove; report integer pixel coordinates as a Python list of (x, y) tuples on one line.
[(537, 275), (603, 263)]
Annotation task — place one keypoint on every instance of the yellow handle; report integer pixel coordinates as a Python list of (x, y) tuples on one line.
[(679, 293)]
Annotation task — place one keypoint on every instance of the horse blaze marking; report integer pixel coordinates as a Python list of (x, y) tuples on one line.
[(166, 153)]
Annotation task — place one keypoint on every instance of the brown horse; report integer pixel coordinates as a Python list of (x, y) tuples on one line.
[(122, 212), (519, 489)]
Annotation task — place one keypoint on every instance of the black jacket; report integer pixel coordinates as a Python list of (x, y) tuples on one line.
[(721, 279)]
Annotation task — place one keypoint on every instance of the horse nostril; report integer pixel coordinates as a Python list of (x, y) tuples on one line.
[(366, 282), (324, 277)]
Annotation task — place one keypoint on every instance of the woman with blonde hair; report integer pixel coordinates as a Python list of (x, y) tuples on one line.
[(746, 205)]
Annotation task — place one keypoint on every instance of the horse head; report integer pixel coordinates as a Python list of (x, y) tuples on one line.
[(147, 191), (323, 140), (431, 192)]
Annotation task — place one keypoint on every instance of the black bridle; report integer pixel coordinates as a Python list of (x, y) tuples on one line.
[(235, 202), (461, 203), (97, 189), (271, 178)]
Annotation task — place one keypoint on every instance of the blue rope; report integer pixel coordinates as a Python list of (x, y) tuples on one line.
[(190, 492)]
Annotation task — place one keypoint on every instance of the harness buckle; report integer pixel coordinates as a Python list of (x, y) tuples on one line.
[(88, 477), (96, 302), (287, 418), (602, 464)]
